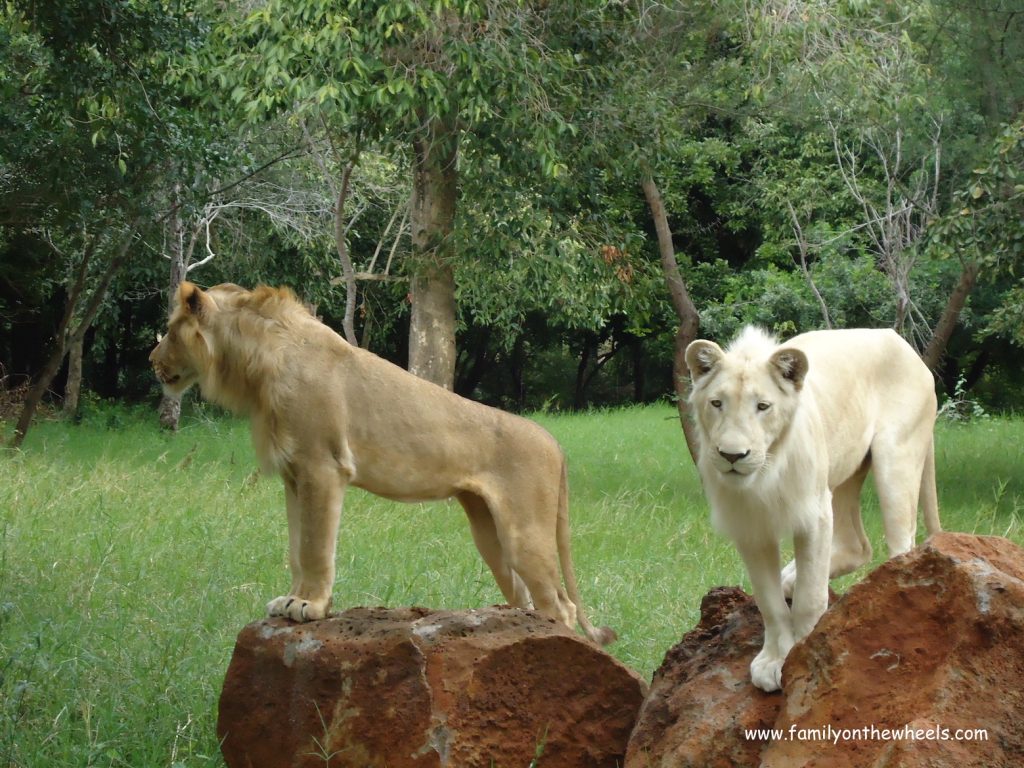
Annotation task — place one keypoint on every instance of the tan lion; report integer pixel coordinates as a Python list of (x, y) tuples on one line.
[(326, 415), (787, 435)]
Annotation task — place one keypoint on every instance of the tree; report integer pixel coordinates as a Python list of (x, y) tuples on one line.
[(649, 126), (79, 312), (419, 76), (984, 230), (860, 70), (686, 311), (181, 248), (93, 118)]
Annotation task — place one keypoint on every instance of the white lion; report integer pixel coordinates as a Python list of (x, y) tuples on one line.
[(787, 434)]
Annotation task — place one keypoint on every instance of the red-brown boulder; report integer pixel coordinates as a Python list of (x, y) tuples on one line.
[(413, 687), (911, 663), (701, 698), (920, 665)]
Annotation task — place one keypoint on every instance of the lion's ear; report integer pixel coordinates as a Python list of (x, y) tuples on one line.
[(790, 364), (701, 357), (193, 299)]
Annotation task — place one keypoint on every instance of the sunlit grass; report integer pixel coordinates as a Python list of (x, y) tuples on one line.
[(130, 559)]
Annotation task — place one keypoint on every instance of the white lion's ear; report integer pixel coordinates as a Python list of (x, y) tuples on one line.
[(701, 357), (790, 364)]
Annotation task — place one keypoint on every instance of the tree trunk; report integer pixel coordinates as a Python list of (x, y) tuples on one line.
[(686, 311), (73, 387), (170, 407), (36, 392), (936, 348), (170, 412), (432, 291), (64, 339), (348, 323), (579, 398)]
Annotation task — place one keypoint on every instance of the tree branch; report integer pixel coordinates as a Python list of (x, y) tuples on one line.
[(802, 247)]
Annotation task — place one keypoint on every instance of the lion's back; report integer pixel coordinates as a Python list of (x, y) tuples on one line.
[(866, 382), (875, 364)]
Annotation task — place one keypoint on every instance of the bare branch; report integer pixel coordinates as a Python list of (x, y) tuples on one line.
[(803, 247), (207, 220)]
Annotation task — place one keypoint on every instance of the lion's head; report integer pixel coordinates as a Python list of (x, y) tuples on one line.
[(743, 399), (183, 353), (221, 339)]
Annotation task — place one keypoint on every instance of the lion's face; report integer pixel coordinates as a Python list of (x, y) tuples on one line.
[(182, 354), (743, 400), (174, 360)]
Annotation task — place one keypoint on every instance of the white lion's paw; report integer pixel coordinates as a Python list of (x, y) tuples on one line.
[(766, 671), (788, 578), (297, 608)]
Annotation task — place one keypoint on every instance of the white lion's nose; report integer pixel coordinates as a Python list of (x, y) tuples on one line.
[(732, 458)]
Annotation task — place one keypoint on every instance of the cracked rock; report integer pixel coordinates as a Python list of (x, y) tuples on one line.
[(921, 665), (413, 687)]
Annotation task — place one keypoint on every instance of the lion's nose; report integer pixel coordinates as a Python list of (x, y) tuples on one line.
[(732, 458)]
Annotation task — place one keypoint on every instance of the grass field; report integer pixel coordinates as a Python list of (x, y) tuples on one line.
[(130, 559)]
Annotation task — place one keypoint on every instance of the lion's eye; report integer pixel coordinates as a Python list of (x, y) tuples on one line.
[(763, 406), (716, 403)]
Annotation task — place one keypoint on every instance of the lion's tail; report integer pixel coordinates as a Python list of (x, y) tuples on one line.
[(604, 635), (929, 495)]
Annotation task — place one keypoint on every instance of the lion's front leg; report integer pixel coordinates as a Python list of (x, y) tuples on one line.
[(762, 561), (313, 500)]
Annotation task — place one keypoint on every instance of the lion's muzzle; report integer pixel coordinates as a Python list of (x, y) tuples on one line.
[(732, 458)]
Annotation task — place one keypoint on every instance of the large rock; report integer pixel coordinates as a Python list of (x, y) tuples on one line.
[(701, 696), (413, 687), (932, 641)]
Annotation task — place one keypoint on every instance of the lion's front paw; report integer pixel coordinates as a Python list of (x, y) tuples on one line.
[(766, 671), (297, 608)]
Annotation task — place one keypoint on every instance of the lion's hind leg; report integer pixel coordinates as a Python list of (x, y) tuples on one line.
[(485, 536), (850, 545), (899, 465), (530, 547), (537, 563)]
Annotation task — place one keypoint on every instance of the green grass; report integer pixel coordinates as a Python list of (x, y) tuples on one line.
[(130, 559)]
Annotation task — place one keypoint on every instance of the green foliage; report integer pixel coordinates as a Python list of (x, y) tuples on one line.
[(116, 112), (960, 407), (384, 70), (986, 224), (92, 113), (521, 257)]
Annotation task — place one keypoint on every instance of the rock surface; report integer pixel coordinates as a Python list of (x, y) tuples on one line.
[(932, 641), (413, 687), (701, 696)]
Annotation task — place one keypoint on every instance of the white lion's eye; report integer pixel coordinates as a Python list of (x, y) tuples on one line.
[(716, 403), (763, 406)]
